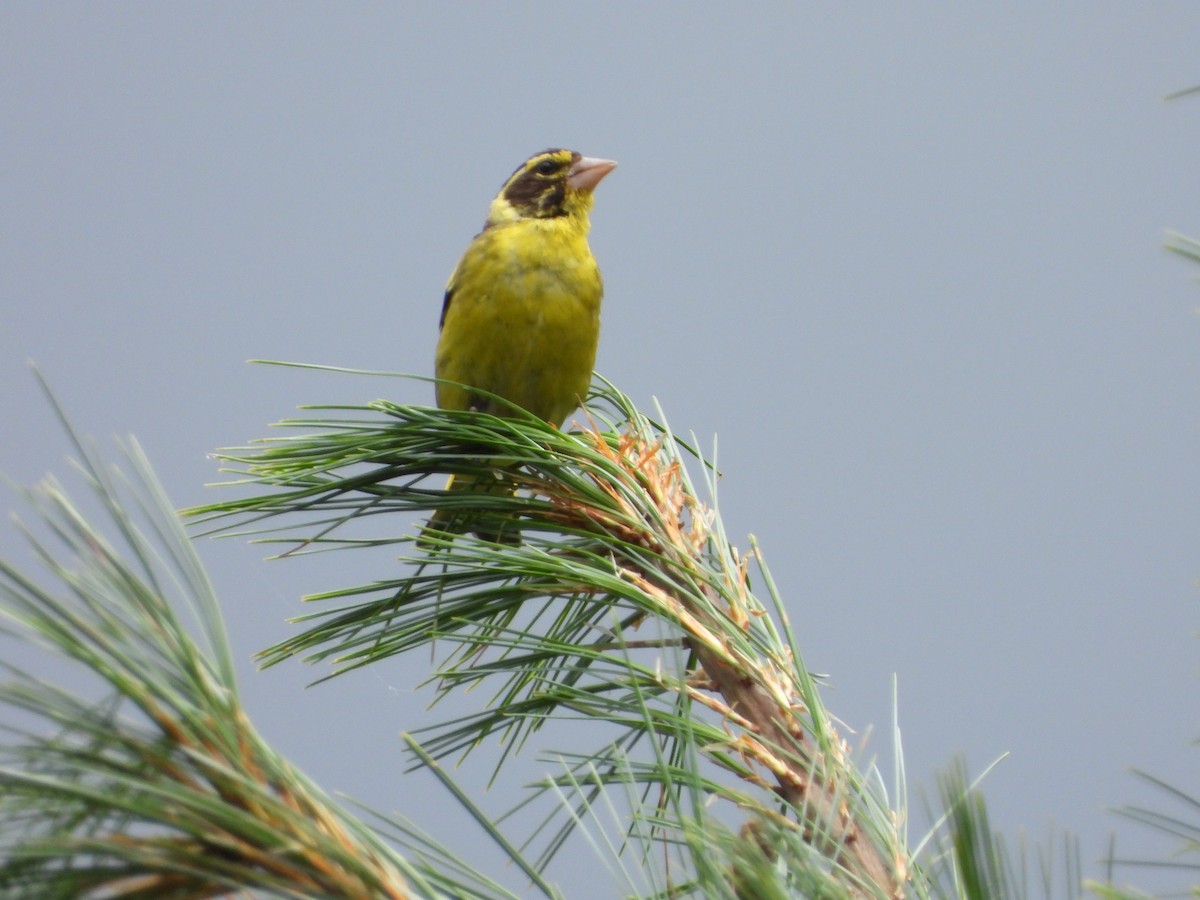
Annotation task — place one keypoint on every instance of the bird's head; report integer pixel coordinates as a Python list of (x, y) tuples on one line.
[(549, 184)]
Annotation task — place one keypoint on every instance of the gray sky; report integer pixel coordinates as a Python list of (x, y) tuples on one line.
[(906, 263)]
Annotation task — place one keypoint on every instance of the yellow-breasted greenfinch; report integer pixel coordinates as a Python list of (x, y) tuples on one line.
[(521, 314)]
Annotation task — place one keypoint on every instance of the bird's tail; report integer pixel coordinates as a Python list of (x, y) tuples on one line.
[(462, 517)]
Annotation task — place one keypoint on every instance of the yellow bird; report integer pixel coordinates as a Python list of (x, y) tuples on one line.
[(521, 315)]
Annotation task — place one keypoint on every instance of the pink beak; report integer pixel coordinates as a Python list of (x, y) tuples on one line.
[(587, 171)]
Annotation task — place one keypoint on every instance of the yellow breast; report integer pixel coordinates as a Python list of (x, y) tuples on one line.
[(522, 320)]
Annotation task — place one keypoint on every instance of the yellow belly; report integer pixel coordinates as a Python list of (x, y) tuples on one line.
[(523, 322)]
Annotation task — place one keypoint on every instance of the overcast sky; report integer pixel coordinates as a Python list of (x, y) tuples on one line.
[(905, 261)]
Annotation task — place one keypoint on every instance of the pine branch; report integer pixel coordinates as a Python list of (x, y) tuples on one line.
[(163, 788), (614, 534)]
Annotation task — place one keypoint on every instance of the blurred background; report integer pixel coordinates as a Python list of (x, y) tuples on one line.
[(906, 262)]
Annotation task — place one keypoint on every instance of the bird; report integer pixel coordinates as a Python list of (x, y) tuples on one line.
[(521, 313)]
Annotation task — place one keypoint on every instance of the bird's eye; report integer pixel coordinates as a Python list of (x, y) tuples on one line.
[(546, 167)]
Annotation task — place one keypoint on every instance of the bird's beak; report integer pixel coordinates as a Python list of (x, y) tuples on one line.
[(587, 171)]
